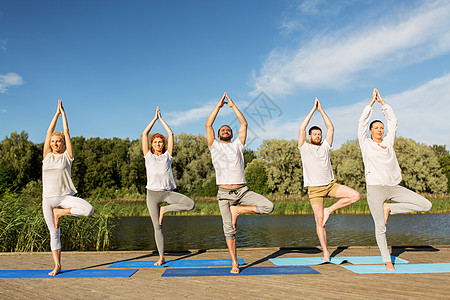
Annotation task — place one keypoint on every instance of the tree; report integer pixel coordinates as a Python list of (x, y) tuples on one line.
[(20, 162), (421, 170), (256, 176), (348, 166), (444, 161), (283, 165)]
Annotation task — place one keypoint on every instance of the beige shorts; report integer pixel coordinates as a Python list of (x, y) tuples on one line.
[(317, 193)]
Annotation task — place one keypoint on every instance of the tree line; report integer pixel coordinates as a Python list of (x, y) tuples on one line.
[(114, 168)]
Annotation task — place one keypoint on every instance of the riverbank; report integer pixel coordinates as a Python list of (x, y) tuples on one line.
[(284, 205), (333, 282)]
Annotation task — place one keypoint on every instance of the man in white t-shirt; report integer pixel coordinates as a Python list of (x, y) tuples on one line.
[(318, 174), (228, 161)]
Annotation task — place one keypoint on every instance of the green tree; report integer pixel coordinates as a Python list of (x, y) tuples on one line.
[(20, 162), (348, 167), (421, 170), (444, 161), (283, 165), (256, 176)]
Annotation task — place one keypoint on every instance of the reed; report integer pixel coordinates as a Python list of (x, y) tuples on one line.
[(23, 228)]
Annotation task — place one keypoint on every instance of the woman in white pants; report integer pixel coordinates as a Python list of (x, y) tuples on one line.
[(160, 181), (383, 174), (58, 189)]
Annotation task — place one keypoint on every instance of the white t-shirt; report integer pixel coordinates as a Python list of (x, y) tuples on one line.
[(56, 170), (228, 162), (316, 162), (381, 165), (159, 172)]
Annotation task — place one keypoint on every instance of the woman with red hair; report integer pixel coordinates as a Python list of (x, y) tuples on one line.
[(160, 181)]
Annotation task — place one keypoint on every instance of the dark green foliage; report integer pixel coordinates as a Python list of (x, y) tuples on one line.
[(256, 176)]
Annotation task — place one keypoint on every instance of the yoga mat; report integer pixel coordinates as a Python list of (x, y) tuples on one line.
[(88, 273), (401, 269), (356, 260), (245, 271), (175, 263)]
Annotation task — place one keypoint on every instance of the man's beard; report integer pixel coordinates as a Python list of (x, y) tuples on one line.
[(316, 143), (226, 138)]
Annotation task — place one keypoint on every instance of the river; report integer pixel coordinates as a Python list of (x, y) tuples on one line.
[(205, 232)]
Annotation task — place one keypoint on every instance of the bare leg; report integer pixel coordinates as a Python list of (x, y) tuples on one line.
[(390, 266), (386, 211), (160, 261), (231, 244), (346, 196), (321, 233), (58, 213), (237, 210), (57, 260), (161, 215)]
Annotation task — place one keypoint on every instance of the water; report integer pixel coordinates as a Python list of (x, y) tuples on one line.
[(205, 232)]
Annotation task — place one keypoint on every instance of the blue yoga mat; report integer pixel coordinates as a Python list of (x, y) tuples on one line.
[(176, 263), (87, 273), (244, 271), (401, 269), (356, 260)]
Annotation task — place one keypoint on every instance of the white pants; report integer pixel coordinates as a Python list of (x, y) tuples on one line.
[(78, 207)]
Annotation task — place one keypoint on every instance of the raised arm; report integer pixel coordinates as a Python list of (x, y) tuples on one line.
[(50, 130), (169, 133), (145, 147), (304, 124), (328, 124), (391, 119), (243, 129), (212, 117), (69, 148), (363, 122)]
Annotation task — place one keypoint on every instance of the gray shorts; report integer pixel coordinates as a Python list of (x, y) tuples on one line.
[(243, 196)]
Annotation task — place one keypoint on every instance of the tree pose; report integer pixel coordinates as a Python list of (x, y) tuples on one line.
[(228, 161), (318, 174), (58, 189), (160, 181), (383, 174)]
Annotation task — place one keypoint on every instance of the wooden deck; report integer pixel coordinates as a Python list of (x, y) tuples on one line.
[(334, 282)]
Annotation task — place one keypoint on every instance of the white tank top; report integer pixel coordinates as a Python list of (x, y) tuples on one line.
[(56, 171), (159, 172), (228, 161)]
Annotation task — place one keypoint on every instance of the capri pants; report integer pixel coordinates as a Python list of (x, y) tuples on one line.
[(407, 201), (243, 196), (78, 207), (176, 201)]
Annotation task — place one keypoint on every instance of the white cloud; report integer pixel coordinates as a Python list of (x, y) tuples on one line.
[(10, 79), (333, 59), (3, 45), (3, 110), (422, 113)]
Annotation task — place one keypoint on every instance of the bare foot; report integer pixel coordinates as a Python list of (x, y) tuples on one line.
[(55, 271), (161, 215), (235, 268), (160, 261), (234, 214), (326, 256), (56, 217), (326, 215), (386, 210), (390, 266)]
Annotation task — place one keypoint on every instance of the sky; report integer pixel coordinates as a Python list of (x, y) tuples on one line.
[(112, 62)]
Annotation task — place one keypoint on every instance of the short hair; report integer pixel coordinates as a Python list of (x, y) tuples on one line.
[(314, 128), (373, 122), (158, 135), (218, 131)]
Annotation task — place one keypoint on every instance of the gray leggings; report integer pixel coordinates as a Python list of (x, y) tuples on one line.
[(407, 201), (243, 196), (176, 201)]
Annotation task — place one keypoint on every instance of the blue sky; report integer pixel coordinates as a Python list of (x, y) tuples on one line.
[(113, 62)]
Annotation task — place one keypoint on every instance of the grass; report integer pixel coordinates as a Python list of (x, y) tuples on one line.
[(284, 204)]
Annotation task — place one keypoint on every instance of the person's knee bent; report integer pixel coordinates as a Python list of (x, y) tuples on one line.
[(265, 208), (427, 205), (355, 197), (188, 203)]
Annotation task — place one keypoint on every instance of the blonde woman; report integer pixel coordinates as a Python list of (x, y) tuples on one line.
[(58, 189)]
